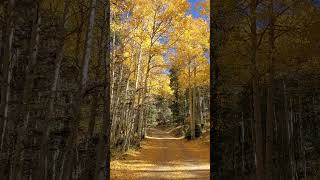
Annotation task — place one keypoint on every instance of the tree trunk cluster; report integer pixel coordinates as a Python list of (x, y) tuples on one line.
[(295, 139), (264, 90), (54, 64)]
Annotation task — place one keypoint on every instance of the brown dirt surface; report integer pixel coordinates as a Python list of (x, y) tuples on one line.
[(163, 156)]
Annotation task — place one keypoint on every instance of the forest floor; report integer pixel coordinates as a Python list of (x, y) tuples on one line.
[(163, 156)]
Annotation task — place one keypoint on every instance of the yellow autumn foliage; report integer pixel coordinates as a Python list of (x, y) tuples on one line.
[(151, 30)]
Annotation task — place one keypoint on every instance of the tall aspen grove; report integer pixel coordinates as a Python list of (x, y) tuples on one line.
[(160, 88), (160, 71), (54, 113), (265, 82), (86, 82)]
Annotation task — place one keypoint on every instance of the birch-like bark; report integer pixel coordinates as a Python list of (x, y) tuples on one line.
[(194, 100), (137, 80), (41, 172), (143, 100), (88, 44), (112, 67), (115, 106), (190, 92), (103, 154)]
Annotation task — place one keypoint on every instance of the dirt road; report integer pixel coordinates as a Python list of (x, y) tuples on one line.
[(164, 157)]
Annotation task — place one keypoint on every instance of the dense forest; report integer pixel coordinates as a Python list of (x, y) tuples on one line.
[(265, 89), (160, 89), (82, 77), (54, 89), (160, 68)]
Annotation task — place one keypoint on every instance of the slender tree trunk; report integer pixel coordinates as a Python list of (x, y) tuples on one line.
[(256, 94), (115, 106), (194, 119), (290, 137), (142, 111), (5, 62), (139, 104), (103, 154), (96, 95), (194, 100), (287, 136), (270, 116), (137, 80), (191, 114), (42, 173), (24, 107), (143, 100), (112, 68), (88, 44), (302, 140), (201, 107), (137, 113), (125, 106), (6, 108)]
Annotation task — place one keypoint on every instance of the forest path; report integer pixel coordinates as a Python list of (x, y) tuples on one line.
[(163, 156)]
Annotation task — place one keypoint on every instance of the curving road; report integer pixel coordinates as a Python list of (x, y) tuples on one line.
[(163, 156)]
